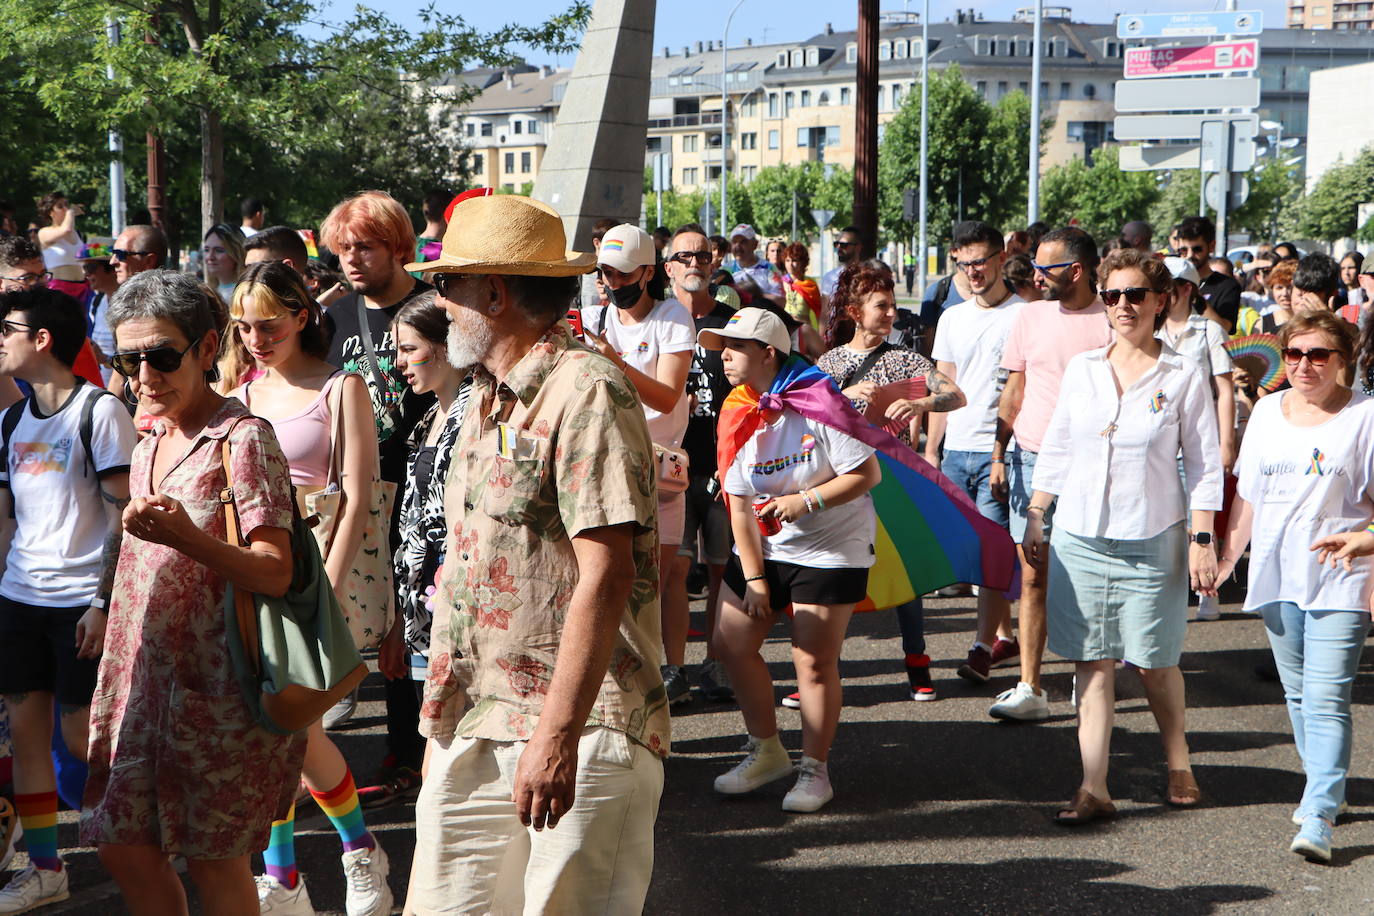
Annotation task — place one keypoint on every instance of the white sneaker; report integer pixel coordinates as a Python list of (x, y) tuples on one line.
[(32, 888), (10, 831), (280, 900), (812, 790), (365, 870), (1021, 702), (1208, 608), (341, 713), (765, 761)]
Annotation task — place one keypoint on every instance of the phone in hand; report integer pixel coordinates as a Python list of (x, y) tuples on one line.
[(575, 321)]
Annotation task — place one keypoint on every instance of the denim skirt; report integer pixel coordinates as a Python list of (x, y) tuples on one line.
[(1112, 599)]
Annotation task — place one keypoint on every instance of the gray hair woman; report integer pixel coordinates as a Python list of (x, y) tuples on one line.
[(177, 765)]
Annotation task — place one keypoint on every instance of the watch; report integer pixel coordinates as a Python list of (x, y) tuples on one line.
[(1202, 538)]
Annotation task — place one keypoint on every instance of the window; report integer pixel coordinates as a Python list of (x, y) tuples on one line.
[(782, 58), (885, 51), (797, 59), (517, 126), (851, 53), (486, 129), (1001, 88), (713, 140), (654, 144), (471, 129), (1049, 49), (803, 136), (806, 98), (786, 104), (980, 46), (899, 50), (832, 136), (1318, 11), (534, 127), (844, 95), (748, 172), (713, 173), (772, 104), (882, 98), (689, 143), (982, 87), (773, 139), (525, 163), (1044, 90), (896, 95), (1089, 91), (478, 162), (689, 176), (823, 99), (813, 57), (510, 162), (1065, 90), (1024, 87), (1075, 131), (749, 141)]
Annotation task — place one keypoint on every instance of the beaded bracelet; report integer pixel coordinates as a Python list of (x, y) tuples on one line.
[(806, 498)]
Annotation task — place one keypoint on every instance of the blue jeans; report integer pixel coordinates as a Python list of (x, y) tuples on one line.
[(970, 471), (1020, 477), (911, 618), (1317, 654)]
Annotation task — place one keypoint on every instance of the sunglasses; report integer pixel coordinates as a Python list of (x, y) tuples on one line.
[(845, 244), (121, 254), (1317, 356), (687, 257), (1134, 295), (978, 263), (161, 359), (445, 282), (1046, 268)]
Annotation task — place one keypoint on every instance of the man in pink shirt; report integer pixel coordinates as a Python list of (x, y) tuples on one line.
[(1045, 335)]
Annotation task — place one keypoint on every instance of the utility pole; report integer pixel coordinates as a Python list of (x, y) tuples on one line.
[(1033, 166), (117, 204), (866, 130), (157, 175)]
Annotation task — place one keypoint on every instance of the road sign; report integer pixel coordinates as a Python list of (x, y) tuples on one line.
[(663, 172), (1194, 60), (1183, 156), (1217, 185), (707, 214), (1174, 25), (822, 217), (1176, 127), (1187, 94)]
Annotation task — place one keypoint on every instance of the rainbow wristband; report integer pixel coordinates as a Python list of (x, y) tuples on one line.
[(1370, 528)]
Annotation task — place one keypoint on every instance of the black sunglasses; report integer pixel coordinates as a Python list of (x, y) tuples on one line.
[(1317, 356), (845, 244), (161, 359), (687, 257), (121, 254), (1134, 295), (444, 282)]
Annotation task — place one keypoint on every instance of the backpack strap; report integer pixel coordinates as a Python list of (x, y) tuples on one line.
[(88, 423), (13, 414), (867, 365)]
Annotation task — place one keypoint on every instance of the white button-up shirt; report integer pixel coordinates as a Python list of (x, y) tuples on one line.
[(1112, 459)]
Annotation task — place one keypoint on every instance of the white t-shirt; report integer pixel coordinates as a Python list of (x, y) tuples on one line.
[(1305, 482), (796, 453), (972, 338), (60, 516), (667, 328)]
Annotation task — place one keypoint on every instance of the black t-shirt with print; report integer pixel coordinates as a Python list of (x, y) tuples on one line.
[(395, 406), (1223, 295), (706, 380)]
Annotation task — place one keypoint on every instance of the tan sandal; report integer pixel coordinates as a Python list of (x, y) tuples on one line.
[(1084, 809), (1183, 791)]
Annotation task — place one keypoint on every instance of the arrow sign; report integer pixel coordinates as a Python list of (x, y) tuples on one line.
[(1177, 25), (1197, 60), (1187, 94)]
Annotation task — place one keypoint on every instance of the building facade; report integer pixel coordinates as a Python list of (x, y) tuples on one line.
[(1340, 15)]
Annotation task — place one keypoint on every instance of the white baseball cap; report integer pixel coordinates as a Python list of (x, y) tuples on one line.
[(749, 324), (745, 230), (1183, 269), (627, 248)]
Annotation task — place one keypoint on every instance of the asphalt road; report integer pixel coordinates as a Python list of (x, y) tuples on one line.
[(939, 808)]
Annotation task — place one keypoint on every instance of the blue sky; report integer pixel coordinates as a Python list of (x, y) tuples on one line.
[(684, 23)]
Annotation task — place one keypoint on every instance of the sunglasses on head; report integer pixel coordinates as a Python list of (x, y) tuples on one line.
[(687, 257), (162, 359), (1134, 295), (1317, 356)]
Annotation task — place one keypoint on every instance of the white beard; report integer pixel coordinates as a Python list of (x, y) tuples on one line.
[(693, 282), (469, 340)]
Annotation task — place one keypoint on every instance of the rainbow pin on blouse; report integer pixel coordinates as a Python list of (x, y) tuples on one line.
[(1157, 401)]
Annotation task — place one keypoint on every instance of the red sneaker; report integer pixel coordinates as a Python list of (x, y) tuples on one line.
[(1006, 652), (977, 667)]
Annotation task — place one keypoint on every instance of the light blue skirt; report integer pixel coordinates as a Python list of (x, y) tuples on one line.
[(1111, 599)]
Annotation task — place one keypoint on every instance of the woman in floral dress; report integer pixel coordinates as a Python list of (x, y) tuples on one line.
[(178, 767)]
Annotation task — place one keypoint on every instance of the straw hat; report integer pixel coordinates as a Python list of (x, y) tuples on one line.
[(506, 234)]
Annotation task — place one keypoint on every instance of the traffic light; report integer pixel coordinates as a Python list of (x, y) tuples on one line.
[(909, 205)]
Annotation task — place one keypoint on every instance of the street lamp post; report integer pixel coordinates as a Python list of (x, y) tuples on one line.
[(1033, 167), (922, 241), (725, 113)]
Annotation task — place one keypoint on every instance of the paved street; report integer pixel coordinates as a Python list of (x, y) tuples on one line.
[(939, 809)]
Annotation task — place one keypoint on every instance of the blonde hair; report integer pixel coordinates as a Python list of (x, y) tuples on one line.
[(278, 292)]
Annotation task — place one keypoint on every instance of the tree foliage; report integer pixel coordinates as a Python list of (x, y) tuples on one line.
[(976, 164), (1100, 198), (771, 192), (1331, 210), (1274, 191)]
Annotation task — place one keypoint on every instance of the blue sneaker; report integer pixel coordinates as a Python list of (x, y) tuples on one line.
[(1313, 840)]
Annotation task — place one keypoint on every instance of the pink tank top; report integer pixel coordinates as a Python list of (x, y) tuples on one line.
[(304, 438)]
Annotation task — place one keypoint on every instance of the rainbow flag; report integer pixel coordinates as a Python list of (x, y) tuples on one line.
[(929, 533), (308, 236)]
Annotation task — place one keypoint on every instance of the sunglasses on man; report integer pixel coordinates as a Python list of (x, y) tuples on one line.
[(686, 258), (123, 254)]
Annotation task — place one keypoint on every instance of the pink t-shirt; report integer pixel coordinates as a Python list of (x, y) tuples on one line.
[(1043, 339)]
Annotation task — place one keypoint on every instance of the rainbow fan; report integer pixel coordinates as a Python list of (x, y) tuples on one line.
[(1259, 354)]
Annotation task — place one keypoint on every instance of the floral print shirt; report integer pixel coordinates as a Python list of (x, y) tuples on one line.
[(559, 448)]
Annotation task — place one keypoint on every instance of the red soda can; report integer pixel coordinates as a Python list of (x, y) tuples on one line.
[(767, 526)]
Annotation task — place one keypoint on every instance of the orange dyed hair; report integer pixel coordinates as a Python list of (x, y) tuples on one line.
[(370, 215)]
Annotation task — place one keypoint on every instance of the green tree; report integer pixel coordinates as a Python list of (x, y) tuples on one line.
[(773, 187), (1331, 210), (247, 67), (1274, 191), (1099, 198)]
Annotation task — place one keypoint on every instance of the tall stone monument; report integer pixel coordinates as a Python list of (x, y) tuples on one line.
[(594, 164)]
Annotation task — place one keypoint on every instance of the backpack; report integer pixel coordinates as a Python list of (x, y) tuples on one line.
[(87, 427)]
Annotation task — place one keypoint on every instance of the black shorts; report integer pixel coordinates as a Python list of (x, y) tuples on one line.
[(789, 583), (38, 652)]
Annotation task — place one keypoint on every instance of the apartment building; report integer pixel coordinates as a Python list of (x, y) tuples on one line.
[(507, 126), (1340, 15)]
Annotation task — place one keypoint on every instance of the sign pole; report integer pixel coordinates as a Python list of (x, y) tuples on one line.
[(1033, 168), (922, 241)]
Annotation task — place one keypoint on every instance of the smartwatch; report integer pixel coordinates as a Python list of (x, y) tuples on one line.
[(1202, 538)]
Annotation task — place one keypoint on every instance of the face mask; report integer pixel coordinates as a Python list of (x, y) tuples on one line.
[(627, 296)]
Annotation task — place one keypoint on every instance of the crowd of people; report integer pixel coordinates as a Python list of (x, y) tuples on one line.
[(519, 463)]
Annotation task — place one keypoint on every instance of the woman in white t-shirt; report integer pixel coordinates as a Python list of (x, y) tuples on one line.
[(1307, 481), (816, 482), (651, 339)]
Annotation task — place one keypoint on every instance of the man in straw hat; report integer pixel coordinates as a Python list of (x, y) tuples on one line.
[(544, 707)]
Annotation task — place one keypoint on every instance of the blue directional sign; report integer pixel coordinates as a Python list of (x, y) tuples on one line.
[(1179, 25)]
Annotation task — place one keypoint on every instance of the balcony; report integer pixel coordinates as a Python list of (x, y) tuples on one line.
[(701, 119)]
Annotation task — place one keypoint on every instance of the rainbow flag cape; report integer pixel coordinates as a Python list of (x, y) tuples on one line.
[(929, 533), (810, 294)]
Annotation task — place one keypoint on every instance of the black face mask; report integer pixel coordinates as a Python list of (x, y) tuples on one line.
[(627, 296)]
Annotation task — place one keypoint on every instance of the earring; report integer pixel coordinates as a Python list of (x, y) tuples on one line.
[(494, 309)]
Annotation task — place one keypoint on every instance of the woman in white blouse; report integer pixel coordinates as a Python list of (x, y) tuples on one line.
[(1307, 482), (1117, 588)]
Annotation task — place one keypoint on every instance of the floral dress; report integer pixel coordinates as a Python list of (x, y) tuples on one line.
[(176, 760)]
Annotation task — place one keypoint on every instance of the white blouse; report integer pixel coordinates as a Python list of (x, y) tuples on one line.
[(1112, 459)]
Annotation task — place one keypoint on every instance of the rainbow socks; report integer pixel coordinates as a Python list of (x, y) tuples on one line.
[(340, 805), (280, 854), (38, 814)]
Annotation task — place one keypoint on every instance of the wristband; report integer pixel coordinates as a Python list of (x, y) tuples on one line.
[(1040, 509), (806, 498), (820, 502), (754, 578), (997, 461)]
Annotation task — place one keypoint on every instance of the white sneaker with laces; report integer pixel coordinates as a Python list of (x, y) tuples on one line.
[(813, 788), (279, 900), (1208, 608), (32, 888), (1022, 703), (365, 872), (765, 761), (10, 831)]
